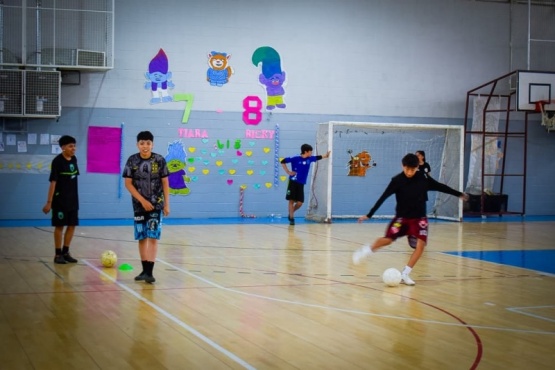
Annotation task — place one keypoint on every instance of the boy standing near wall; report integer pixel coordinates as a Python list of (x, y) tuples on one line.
[(300, 166), (146, 179), (63, 199)]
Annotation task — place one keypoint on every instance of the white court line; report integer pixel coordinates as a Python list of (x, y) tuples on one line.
[(518, 310), (349, 310), (191, 330)]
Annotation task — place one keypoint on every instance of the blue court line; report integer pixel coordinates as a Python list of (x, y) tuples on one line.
[(538, 260), (250, 220)]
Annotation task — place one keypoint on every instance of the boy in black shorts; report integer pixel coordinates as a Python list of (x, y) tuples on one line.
[(411, 189), (300, 166), (146, 178), (63, 199)]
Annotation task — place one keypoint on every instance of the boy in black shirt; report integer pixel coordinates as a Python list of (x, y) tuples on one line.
[(410, 188), (63, 199)]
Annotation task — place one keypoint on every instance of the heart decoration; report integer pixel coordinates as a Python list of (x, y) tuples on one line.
[(213, 155), (250, 162), (262, 172), (206, 171), (234, 160), (194, 178), (205, 141), (257, 186), (219, 163), (268, 185), (230, 181), (251, 143), (250, 172), (239, 153), (190, 160), (192, 149), (266, 150), (232, 172), (221, 172), (264, 162), (283, 178), (248, 153), (191, 169)]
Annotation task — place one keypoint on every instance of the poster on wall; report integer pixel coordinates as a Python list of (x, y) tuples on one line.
[(104, 149)]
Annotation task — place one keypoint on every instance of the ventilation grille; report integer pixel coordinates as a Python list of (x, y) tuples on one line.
[(89, 58)]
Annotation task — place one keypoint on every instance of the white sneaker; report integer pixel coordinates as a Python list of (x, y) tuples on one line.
[(361, 253), (405, 279)]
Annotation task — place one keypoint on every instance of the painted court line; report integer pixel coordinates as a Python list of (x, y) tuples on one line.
[(168, 315), (521, 311), (215, 285)]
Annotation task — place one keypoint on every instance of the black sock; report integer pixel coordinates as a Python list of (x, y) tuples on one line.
[(145, 268), (150, 265), (65, 250), (58, 251)]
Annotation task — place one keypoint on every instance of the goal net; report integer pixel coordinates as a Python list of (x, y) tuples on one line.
[(364, 158)]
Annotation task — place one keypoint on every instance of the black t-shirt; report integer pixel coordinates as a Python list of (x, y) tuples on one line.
[(411, 194), (65, 172), (425, 167)]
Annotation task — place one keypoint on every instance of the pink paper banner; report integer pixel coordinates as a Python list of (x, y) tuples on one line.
[(104, 149)]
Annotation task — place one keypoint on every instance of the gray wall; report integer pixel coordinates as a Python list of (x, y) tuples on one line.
[(351, 60)]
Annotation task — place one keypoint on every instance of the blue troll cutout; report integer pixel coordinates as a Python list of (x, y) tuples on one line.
[(219, 72), (176, 160), (158, 78), (272, 77)]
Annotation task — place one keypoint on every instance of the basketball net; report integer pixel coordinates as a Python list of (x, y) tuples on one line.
[(547, 122)]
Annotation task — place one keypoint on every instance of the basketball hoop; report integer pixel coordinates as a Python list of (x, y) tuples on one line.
[(540, 104)]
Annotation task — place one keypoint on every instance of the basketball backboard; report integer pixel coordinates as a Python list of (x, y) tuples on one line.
[(533, 86)]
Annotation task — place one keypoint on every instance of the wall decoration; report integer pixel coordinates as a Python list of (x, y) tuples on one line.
[(188, 99), (159, 79), (176, 160), (219, 71), (360, 163), (252, 113), (104, 149), (25, 163), (272, 77)]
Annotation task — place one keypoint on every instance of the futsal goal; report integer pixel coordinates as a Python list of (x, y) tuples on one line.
[(364, 158)]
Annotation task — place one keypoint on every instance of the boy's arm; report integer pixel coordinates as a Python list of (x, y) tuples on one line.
[(135, 194), (48, 206), (390, 190), (166, 190), (438, 186), (285, 168)]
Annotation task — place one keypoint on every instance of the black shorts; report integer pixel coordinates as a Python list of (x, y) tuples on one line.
[(65, 218), (295, 191)]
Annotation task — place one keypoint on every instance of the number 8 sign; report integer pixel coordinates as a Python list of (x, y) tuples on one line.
[(252, 105)]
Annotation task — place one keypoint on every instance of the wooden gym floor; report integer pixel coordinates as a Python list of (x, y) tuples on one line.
[(272, 296)]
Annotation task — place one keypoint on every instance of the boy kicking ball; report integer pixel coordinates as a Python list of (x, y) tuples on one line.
[(410, 188)]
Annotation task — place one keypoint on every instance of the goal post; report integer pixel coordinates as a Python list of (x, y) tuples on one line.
[(364, 158)]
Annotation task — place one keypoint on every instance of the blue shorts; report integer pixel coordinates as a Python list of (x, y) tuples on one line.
[(148, 225)]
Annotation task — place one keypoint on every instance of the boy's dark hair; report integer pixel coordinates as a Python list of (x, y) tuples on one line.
[(306, 148), (422, 153), (145, 135), (410, 160), (66, 139)]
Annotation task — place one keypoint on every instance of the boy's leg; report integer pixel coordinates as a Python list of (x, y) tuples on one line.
[(152, 251), (58, 233), (367, 250), (68, 237), (415, 256)]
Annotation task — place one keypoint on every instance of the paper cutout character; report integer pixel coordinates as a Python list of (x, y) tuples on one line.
[(272, 77), (219, 71), (360, 163), (159, 79), (176, 161)]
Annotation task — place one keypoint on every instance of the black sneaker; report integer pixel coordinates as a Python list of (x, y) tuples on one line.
[(140, 277), (59, 259), (149, 279), (291, 221), (67, 257)]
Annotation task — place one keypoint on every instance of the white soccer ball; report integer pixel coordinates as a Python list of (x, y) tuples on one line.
[(391, 277), (108, 258)]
